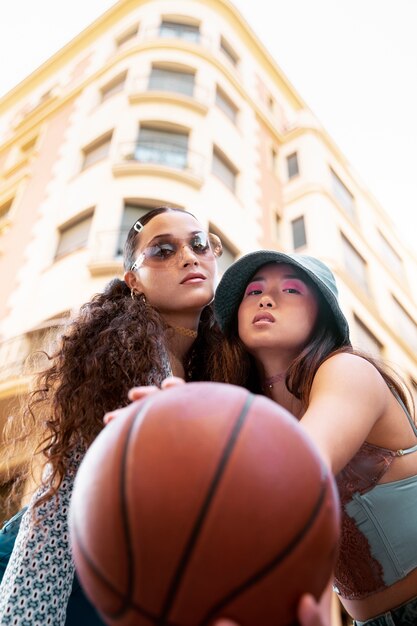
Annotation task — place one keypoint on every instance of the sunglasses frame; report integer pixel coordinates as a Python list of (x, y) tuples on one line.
[(210, 236)]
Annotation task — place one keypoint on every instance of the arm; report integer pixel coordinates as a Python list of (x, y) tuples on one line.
[(38, 579), (347, 398)]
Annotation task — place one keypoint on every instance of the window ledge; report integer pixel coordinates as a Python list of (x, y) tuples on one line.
[(153, 169), (169, 98), (102, 268), (14, 385), (21, 166), (5, 224)]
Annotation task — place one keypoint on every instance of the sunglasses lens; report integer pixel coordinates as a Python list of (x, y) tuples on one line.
[(200, 244), (215, 245), (162, 254), (165, 253)]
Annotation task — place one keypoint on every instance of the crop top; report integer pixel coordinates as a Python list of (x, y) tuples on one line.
[(378, 544)]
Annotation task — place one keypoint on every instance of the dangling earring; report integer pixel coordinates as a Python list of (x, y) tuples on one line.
[(136, 295)]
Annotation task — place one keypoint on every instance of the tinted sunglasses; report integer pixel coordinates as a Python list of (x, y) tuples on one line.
[(167, 250)]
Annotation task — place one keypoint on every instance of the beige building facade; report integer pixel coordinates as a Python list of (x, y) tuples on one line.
[(178, 102)]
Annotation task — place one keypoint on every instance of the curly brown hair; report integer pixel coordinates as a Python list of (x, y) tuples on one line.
[(114, 343)]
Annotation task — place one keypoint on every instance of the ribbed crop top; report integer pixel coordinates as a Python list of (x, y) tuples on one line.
[(379, 522)]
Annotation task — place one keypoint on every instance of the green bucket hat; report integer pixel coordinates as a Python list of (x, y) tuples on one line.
[(232, 286)]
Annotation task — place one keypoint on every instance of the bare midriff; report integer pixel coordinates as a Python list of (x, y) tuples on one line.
[(395, 595)]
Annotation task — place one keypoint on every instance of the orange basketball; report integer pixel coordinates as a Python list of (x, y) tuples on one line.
[(204, 502)]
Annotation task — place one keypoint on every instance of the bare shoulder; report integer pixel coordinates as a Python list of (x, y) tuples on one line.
[(353, 371), (347, 399)]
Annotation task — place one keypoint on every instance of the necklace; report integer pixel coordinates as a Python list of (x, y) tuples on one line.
[(269, 382), (187, 332)]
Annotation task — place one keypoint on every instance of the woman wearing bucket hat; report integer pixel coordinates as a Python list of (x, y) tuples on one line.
[(285, 336)]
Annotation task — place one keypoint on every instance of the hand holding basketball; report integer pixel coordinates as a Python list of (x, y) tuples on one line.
[(204, 502), (139, 393)]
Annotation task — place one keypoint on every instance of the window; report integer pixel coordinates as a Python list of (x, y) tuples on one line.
[(229, 251), (355, 265), (292, 165), (226, 105), (127, 35), (5, 208), (114, 86), (131, 213), (274, 160), (73, 236), (299, 238), (30, 145), (223, 169), (413, 389), (391, 258), (228, 51), (405, 325), (171, 80), (47, 95), (97, 150), (190, 32), (365, 340), (164, 147), (343, 195), (278, 225)]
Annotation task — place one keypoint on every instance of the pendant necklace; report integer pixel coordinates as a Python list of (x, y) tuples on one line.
[(269, 382)]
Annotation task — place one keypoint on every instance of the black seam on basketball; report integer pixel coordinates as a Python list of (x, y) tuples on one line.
[(91, 563), (125, 518), (184, 559), (106, 582), (264, 571)]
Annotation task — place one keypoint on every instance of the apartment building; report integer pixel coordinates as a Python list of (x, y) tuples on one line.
[(178, 102)]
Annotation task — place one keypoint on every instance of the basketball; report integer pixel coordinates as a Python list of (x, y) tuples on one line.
[(203, 501)]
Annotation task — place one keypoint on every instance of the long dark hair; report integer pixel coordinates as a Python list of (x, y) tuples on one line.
[(230, 362), (114, 343)]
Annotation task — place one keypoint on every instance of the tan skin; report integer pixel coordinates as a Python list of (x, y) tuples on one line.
[(366, 409)]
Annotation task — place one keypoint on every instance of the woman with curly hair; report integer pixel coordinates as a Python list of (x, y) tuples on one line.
[(155, 323)]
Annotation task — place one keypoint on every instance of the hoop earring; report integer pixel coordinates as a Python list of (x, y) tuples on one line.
[(136, 295)]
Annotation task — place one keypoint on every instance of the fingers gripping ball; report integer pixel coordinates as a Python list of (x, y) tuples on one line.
[(205, 501)]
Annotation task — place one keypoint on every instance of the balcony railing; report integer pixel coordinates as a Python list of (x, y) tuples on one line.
[(21, 356), (192, 37), (148, 84), (167, 154), (108, 247)]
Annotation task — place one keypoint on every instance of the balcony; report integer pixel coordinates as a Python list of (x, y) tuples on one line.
[(156, 158), (107, 252), (187, 36), (21, 357), (170, 90)]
